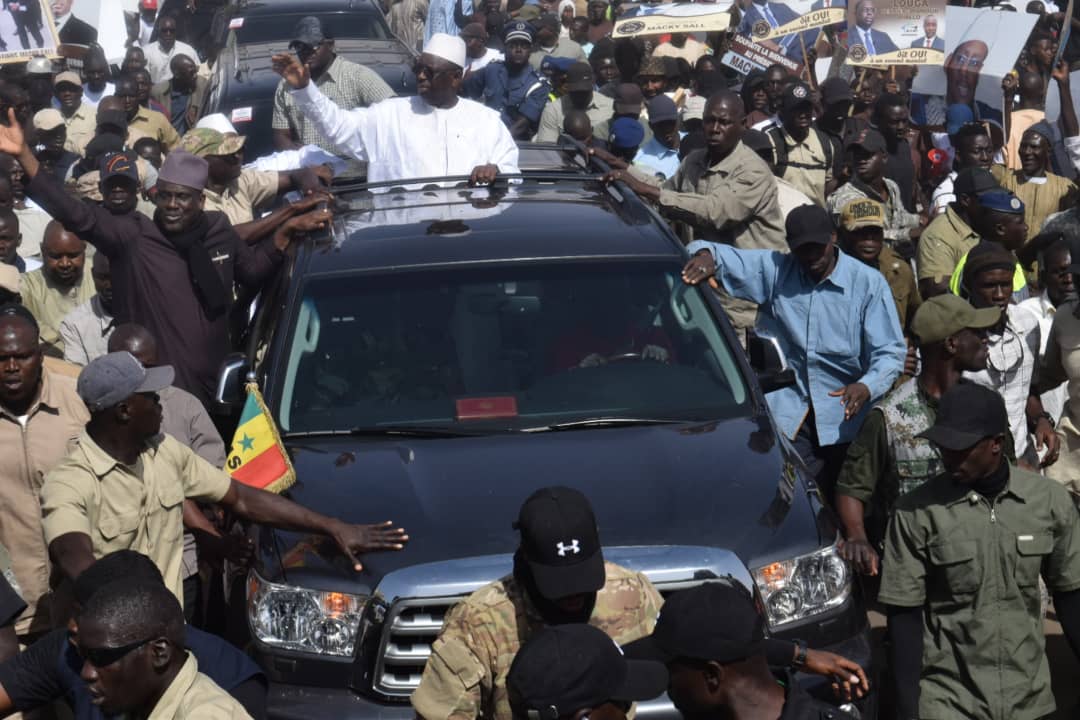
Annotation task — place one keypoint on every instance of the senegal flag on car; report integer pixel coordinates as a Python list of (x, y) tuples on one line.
[(257, 457)]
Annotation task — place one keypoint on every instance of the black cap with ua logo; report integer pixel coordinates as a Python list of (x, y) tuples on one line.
[(560, 542)]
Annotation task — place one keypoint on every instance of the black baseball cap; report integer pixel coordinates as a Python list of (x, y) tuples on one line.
[(796, 95), (835, 90), (560, 543), (755, 78), (579, 77), (716, 621), (973, 181), (967, 413), (808, 224), (119, 164), (628, 99), (868, 139), (567, 668)]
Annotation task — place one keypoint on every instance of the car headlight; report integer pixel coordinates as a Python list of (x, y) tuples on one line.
[(804, 586), (296, 618)]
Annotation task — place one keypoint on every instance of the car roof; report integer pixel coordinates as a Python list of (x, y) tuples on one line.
[(556, 216), (250, 8)]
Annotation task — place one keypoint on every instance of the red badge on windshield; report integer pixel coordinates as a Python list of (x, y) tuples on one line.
[(483, 408)]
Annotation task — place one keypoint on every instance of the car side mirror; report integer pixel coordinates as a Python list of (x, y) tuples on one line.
[(229, 394), (768, 361)]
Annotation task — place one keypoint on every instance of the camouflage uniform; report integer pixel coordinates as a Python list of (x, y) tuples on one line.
[(465, 677), (886, 460)]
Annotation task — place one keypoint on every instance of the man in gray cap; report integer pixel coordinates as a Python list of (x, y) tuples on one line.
[(174, 274), (346, 84), (94, 502), (435, 134)]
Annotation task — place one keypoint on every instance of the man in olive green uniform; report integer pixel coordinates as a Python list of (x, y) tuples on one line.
[(963, 556), (887, 458), (559, 577), (949, 236)]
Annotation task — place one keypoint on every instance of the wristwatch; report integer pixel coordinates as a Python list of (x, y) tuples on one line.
[(800, 654)]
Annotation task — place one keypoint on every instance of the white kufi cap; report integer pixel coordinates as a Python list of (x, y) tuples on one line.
[(450, 48), (218, 122)]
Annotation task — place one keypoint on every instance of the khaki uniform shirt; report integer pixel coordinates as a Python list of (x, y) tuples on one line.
[(806, 167), (600, 110), (31, 449), (151, 123), (253, 189), (973, 565), (1041, 199), (942, 244), (465, 677), (51, 303), (193, 695), (130, 507), (81, 127), (901, 279)]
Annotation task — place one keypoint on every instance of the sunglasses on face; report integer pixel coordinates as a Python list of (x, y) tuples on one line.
[(103, 657), (420, 68)]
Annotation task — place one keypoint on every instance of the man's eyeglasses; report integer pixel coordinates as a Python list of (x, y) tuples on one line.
[(103, 657), (419, 68), (305, 50)]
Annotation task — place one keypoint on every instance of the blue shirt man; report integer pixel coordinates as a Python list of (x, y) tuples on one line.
[(836, 322), (660, 155), (512, 87)]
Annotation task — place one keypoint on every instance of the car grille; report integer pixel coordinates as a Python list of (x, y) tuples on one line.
[(410, 629)]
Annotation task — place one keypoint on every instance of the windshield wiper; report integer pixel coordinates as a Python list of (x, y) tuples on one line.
[(603, 422), (391, 430)]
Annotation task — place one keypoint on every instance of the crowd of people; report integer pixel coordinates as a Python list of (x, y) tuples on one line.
[(928, 310)]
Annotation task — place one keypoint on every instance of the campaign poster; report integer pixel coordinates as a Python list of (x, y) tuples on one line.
[(26, 31), (971, 74), (663, 19), (896, 32), (745, 57), (791, 27)]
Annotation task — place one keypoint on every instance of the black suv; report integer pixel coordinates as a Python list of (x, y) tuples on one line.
[(250, 33), (447, 351)]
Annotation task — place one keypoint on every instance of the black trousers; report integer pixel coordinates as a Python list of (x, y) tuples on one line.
[(822, 461), (29, 20)]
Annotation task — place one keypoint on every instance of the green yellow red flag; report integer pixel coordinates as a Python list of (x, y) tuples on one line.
[(257, 457)]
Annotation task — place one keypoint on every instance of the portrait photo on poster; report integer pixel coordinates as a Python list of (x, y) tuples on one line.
[(27, 30), (896, 32), (969, 81), (791, 27)]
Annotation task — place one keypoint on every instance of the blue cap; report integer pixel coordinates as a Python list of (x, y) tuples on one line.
[(517, 30), (1002, 201), (555, 64), (956, 116), (626, 133), (1043, 128)]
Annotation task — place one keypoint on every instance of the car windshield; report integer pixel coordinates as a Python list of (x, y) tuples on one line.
[(522, 347), (280, 28)]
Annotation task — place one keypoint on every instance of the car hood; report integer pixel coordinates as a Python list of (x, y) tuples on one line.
[(726, 484)]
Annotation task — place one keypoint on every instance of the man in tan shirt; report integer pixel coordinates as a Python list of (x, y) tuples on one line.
[(40, 413), (135, 664), (123, 486), (242, 193), (80, 118), (144, 121), (723, 193), (59, 286)]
